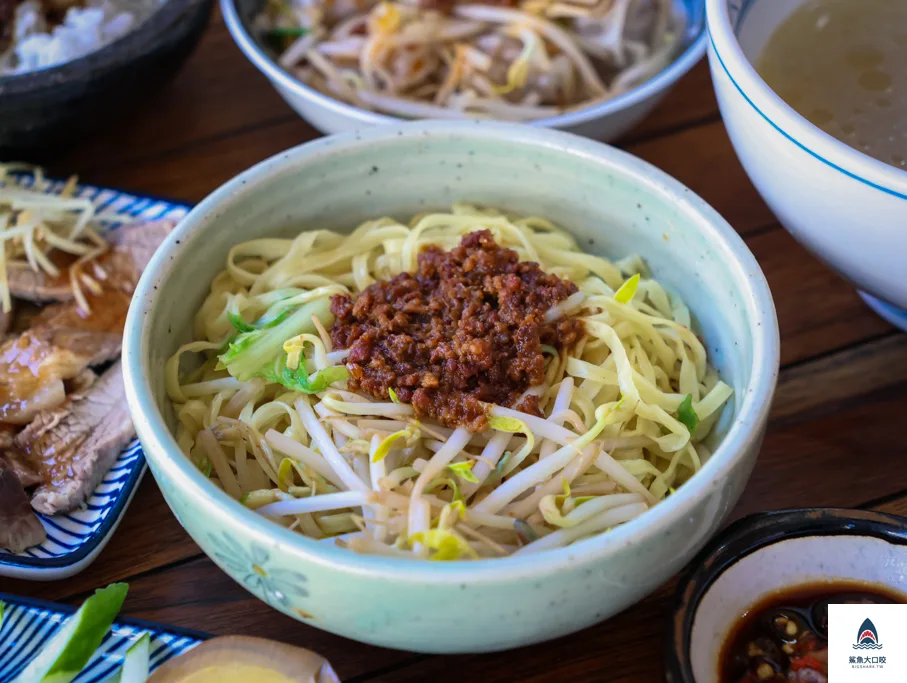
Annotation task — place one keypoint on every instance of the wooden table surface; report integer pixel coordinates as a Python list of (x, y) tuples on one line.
[(836, 435)]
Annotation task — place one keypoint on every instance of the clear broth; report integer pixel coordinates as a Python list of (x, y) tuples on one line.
[(842, 64)]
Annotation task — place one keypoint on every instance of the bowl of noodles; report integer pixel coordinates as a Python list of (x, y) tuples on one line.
[(451, 386), (592, 67)]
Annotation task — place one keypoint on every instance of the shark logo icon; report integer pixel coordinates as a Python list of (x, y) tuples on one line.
[(867, 637)]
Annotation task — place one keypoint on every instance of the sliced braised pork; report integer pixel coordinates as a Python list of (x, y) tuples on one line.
[(134, 245), (62, 342), (20, 528), (25, 283), (131, 248), (73, 446)]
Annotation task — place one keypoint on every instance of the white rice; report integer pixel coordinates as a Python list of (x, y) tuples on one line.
[(36, 45)]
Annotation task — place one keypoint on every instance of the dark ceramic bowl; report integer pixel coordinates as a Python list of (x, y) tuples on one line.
[(763, 553), (44, 110)]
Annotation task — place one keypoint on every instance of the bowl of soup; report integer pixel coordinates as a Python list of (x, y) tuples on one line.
[(814, 97)]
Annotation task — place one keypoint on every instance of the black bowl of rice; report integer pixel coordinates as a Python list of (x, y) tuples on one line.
[(68, 69)]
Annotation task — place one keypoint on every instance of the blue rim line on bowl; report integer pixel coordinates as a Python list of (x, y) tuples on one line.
[(797, 142), (810, 130), (664, 79), (746, 536), (73, 540), (896, 316), (159, 439)]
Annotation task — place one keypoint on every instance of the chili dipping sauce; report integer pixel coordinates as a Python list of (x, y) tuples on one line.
[(784, 636)]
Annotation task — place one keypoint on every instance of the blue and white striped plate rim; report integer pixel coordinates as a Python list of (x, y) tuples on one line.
[(73, 540), (28, 624)]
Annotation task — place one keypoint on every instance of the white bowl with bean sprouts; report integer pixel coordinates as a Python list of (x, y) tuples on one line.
[(591, 67), (326, 502)]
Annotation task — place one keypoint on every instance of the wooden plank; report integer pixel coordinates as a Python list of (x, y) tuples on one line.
[(148, 538), (702, 158), (692, 101), (844, 379), (219, 94), (835, 435), (818, 312)]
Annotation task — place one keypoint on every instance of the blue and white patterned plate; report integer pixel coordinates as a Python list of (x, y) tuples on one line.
[(29, 624), (74, 540)]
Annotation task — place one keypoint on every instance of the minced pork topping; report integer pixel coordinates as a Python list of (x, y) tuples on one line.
[(466, 329)]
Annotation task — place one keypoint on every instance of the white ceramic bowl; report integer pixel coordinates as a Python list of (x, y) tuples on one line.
[(849, 209), (605, 121), (766, 553), (615, 204)]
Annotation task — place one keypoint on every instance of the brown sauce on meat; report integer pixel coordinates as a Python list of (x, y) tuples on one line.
[(783, 638), (107, 314), (32, 365), (465, 329), (31, 374), (114, 269)]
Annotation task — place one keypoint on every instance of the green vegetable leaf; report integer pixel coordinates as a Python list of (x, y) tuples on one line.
[(70, 648), (285, 474), (136, 662), (627, 290), (298, 379), (242, 326), (287, 31), (464, 471), (514, 426), (498, 471), (204, 466), (445, 481), (280, 38), (687, 415), (393, 395), (237, 321), (446, 544), (385, 446), (250, 352)]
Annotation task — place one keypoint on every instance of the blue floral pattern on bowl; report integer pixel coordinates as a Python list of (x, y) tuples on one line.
[(253, 568)]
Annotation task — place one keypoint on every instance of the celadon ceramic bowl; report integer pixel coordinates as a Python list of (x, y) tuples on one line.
[(849, 209), (615, 204)]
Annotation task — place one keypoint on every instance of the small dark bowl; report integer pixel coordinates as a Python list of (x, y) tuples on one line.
[(762, 553), (44, 110)]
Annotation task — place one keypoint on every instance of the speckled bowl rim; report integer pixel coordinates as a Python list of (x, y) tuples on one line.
[(744, 435), (685, 61), (783, 118), (125, 49), (746, 536)]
